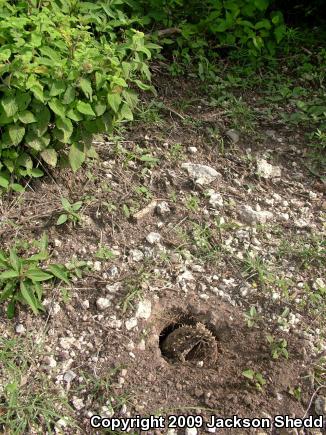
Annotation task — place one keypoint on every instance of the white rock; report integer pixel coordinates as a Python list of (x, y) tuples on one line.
[(50, 361), (136, 255), (191, 431), (57, 243), (115, 323), (185, 276), (85, 304), (192, 150), (113, 271), (20, 329), (215, 199), (252, 216), (142, 344), (107, 411), (233, 135), (131, 323), (202, 174), (113, 288), (266, 170), (66, 342), (103, 303), (163, 208), (320, 405), (97, 266), (78, 403), (144, 309), (69, 376), (153, 238)]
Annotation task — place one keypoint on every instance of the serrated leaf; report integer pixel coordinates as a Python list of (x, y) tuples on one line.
[(114, 101), (85, 108), (9, 105), (86, 87), (57, 107), (65, 125), (57, 88), (37, 275), (16, 133), (50, 156), (27, 117), (59, 272), (62, 219), (76, 156), (69, 95)]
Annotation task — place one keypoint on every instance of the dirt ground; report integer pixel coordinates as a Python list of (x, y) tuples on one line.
[(196, 255)]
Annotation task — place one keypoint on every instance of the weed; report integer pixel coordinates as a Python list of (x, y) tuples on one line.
[(256, 378), (278, 347), (192, 203), (104, 253), (21, 277), (251, 317), (70, 212), (134, 286)]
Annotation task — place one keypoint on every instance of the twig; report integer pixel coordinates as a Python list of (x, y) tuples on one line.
[(312, 398)]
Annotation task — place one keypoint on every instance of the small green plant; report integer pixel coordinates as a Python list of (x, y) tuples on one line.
[(192, 203), (255, 269), (134, 290), (70, 212), (256, 378), (104, 253), (278, 347), (251, 317), (296, 393), (143, 191), (22, 276)]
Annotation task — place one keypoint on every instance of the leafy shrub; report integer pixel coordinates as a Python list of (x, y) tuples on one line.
[(67, 71), (218, 23)]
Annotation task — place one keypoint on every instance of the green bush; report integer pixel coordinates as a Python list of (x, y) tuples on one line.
[(220, 23), (68, 70)]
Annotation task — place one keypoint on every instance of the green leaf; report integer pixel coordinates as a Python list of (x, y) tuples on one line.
[(4, 180), (50, 156), (262, 5), (11, 309), (59, 272), (7, 291), (85, 108), (36, 274), (114, 101), (35, 172), (76, 156), (57, 107), (250, 374), (16, 133), (69, 95), (27, 117), (126, 113), (280, 32), (17, 187), (65, 125), (29, 297), (62, 219), (9, 105), (65, 204), (57, 88), (14, 260), (86, 87), (9, 274), (77, 205)]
